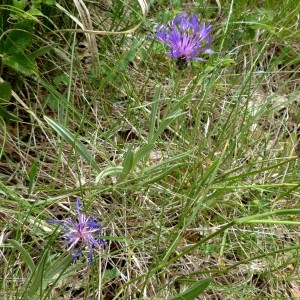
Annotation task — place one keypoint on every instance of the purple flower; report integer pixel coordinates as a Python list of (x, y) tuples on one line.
[(80, 233), (186, 37)]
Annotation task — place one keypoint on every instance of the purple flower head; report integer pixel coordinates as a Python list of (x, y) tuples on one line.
[(185, 37), (80, 233)]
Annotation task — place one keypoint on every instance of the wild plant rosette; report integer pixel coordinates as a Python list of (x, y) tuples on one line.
[(185, 37), (80, 233)]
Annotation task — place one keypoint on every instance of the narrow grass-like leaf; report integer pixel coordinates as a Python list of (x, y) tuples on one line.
[(59, 267), (281, 222), (166, 122), (224, 177), (31, 175), (37, 281), (141, 153), (127, 162), (264, 255), (194, 291), (9, 192), (3, 141), (208, 177), (61, 99), (212, 171), (26, 255), (74, 141), (148, 178), (7, 116), (114, 238), (42, 51), (108, 171), (263, 216), (168, 162), (56, 267), (153, 116), (172, 247)]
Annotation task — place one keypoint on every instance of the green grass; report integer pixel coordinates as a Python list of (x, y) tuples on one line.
[(194, 172)]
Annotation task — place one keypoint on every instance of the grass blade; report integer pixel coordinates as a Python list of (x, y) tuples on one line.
[(194, 291), (74, 141), (26, 255)]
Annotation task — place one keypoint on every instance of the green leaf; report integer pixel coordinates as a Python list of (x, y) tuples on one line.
[(41, 51), (58, 266), (227, 61), (49, 2), (20, 63), (261, 25), (124, 62), (61, 79), (31, 175), (19, 38), (269, 14), (5, 91), (26, 255), (2, 148), (154, 114), (141, 153), (1, 28), (249, 34), (35, 12), (5, 95), (74, 141), (37, 283), (114, 238), (263, 217), (7, 116), (111, 274), (166, 122), (57, 99), (108, 171), (53, 102), (225, 176), (127, 162), (55, 272), (20, 4), (194, 291)]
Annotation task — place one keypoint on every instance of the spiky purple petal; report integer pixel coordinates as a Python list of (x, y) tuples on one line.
[(185, 37), (80, 233)]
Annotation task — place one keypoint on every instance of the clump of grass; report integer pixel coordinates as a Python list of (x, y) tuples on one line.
[(193, 171)]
